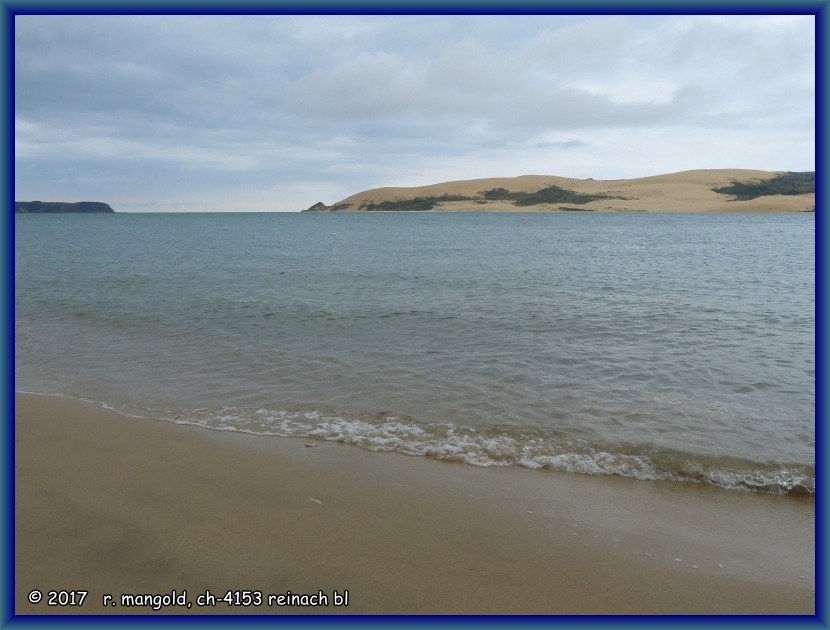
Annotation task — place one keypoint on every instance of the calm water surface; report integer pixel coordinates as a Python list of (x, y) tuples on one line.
[(655, 346)]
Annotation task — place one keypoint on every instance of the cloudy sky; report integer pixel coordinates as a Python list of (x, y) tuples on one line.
[(275, 113)]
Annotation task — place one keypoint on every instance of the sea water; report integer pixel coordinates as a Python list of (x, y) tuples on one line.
[(652, 346)]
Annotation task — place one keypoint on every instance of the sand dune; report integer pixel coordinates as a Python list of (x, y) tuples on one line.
[(687, 191)]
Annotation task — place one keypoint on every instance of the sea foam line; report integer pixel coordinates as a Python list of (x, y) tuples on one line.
[(388, 433)]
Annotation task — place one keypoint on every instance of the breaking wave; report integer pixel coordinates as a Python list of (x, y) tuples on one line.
[(385, 432)]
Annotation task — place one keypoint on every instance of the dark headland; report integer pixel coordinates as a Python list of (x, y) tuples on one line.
[(44, 207)]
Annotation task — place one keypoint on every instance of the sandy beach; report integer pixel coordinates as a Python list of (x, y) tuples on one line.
[(114, 505)]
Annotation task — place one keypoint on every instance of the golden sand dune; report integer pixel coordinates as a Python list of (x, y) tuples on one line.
[(687, 191)]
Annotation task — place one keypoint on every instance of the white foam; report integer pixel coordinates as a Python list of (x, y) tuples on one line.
[(461, 444)]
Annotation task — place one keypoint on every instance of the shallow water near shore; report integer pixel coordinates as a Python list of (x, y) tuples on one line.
[(651, 346)]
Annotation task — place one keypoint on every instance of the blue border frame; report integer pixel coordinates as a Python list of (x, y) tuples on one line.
[(409, 7), (7, 343), (822, 382), (9, 8)]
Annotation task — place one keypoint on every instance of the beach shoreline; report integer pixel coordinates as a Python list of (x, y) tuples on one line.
[(114, 505)]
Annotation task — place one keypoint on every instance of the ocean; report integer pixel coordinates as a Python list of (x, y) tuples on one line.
[(652, 346)]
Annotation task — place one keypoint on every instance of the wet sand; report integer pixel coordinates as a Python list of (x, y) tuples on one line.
[(114, 505)]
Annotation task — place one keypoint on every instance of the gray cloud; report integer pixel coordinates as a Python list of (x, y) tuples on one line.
[(273, 112)]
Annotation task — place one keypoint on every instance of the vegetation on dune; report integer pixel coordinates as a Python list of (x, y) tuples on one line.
[(791, 183), (416, 204), (551, 194)]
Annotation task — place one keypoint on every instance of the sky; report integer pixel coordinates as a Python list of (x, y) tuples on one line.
[(275, 113)]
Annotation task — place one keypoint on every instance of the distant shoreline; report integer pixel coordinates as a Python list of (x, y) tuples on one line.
[(60, 207), (698, 191)]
